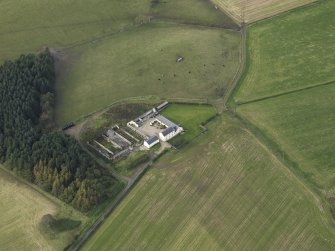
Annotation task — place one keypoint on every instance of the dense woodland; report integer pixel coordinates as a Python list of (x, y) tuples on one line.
[(31, 147)]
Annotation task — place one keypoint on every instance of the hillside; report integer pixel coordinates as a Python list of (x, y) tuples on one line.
[(142, 62)]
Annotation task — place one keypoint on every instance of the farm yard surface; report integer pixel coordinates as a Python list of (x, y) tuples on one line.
[(22, 210), (248, 11), (224, 191)]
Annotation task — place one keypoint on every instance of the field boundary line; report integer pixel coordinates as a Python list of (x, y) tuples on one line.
[(142, 169), (130, 28), (230, 14), (137, 99), (45, 27), (176, 21), (99, 38), (240, 103), (290, 166), (241, 70)]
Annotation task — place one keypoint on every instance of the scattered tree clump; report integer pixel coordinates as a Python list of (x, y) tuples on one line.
[(31, 146)]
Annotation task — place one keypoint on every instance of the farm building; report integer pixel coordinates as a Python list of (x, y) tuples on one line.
[(170, 132), (138, 122), (163, 121), (162, 106), (151, 141), (153, 126)]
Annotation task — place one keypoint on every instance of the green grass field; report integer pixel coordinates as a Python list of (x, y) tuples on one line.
[(290, 52), (303, 124), (143, 62), (295, 52), (89, 45), (189, 117), (22, 209), (27, 26), (225, 191), (193, 11)]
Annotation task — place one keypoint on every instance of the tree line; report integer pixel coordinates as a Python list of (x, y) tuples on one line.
[(32, 147)]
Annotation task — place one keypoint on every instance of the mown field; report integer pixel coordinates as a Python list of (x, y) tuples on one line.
[(225, 191), (142, 62), (303, 125), (299, 47), (290, 52), (252, 10), (22, 209)]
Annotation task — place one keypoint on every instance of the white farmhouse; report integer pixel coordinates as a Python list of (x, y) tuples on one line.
[(170, 132), (150, 142)]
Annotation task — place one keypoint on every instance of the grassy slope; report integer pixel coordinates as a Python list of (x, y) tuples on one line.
[(21, 211), (224, 191), (189, 117), (26, 26), (143, 62), (290, 52), (88, 27), (189, 11), (253, 10), (303, 124)]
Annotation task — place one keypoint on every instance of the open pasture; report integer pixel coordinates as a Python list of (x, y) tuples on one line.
[(291, 96), (225, 191), (191, 11), (302, 123), (28, 26), (22, 210), (143, 62), (248, 11), (89, 40), (293, 51)]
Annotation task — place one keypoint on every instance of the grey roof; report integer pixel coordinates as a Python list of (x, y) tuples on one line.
[(111, 134), (161, 106), (152, 140), (169, 130), (139, 120), (165, 121)]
